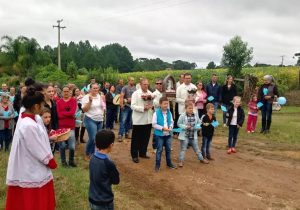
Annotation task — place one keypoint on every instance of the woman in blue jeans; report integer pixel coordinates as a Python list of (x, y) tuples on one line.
[(93, 106)]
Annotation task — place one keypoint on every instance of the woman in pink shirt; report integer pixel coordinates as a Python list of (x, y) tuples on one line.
[(66, 108), (200, 98)]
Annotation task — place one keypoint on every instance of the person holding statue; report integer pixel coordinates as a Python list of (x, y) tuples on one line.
[(142, 106)]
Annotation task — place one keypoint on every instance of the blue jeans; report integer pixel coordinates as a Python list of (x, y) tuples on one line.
[(71, 146), (154, 141), (183, 147), (125, 121), (224, 114), (266, 116), (206, 141), (92, 128), (163, 141), (233, 132), (216, 105), (109, 206)]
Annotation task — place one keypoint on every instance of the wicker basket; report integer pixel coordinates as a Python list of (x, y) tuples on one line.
[(63, 137)]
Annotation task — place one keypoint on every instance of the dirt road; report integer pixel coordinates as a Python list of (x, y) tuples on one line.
[(256, 177)]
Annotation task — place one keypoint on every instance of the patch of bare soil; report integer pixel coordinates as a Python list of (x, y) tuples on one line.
[(253, 178)]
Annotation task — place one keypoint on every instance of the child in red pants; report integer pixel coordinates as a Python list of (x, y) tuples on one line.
[(252, 114)]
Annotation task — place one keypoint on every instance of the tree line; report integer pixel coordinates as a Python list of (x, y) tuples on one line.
[(21, 56)]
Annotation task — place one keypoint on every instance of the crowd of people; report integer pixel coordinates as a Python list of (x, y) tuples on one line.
[(36, 109)]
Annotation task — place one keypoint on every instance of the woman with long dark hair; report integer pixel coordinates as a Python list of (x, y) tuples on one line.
[(29, 177), (228, 91), (111, 108)]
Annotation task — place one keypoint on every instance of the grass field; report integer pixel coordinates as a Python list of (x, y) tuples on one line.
[(71, 185)]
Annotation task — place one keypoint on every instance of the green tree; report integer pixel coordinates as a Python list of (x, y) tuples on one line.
[(184, 65), (298, 61), (117, 57), (20, 55), (236, 55), (211, 65), (72, 70)]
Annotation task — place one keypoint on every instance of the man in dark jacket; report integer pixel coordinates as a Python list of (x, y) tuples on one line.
[(213, 89)]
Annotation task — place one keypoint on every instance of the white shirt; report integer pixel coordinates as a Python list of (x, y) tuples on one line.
[(182, 94), (234, 117), (159, 127), (157, 95), (139, 115), (30, 153), (97, 108)]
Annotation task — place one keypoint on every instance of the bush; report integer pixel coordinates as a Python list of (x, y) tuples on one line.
[(51, 73), (108, 74)]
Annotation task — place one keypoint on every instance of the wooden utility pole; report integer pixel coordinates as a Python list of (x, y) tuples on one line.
[(58, 47), (282, 58)]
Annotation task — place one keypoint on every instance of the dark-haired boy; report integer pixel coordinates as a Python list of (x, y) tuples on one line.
[(103, 172), (162, 123)]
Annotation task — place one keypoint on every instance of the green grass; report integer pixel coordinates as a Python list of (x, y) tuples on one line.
[(284, 128), (71, 185)]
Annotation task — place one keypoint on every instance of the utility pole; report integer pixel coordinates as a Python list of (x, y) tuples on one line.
[(282, 58), (58, 47)]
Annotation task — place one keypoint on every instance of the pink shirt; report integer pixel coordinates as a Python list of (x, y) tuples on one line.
[(200, 99)]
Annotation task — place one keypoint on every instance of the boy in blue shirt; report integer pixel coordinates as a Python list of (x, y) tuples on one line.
[(103, 172)]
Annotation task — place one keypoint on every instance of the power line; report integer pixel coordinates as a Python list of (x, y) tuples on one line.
[(58, 47)]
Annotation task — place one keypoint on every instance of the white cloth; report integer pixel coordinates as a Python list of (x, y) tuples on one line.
[(157, 95), (177, 84), (182, 94), (138, 86), (97, 108), (159, 127), (30, 153), (234, 117), (139, 115)]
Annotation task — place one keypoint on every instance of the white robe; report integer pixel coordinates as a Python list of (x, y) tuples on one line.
[(30, 153)]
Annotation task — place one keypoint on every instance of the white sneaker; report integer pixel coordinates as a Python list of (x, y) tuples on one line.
[(224, 125)]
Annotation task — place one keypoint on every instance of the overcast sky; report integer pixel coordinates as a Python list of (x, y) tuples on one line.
[(192, 30)]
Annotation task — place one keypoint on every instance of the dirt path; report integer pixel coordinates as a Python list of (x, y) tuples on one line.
[(246, 180)]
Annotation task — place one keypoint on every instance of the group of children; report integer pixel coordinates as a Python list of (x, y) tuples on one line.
[(189, 124)]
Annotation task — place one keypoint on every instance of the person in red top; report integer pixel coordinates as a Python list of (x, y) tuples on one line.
[(252, 114), (66, 108)]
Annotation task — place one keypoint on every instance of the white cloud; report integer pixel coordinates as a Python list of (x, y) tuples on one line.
[(193, 30)]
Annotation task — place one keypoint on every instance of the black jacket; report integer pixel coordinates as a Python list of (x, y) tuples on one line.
[(54, 116), (109, 101), (207, 130), (240, 115), (228, 94)]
